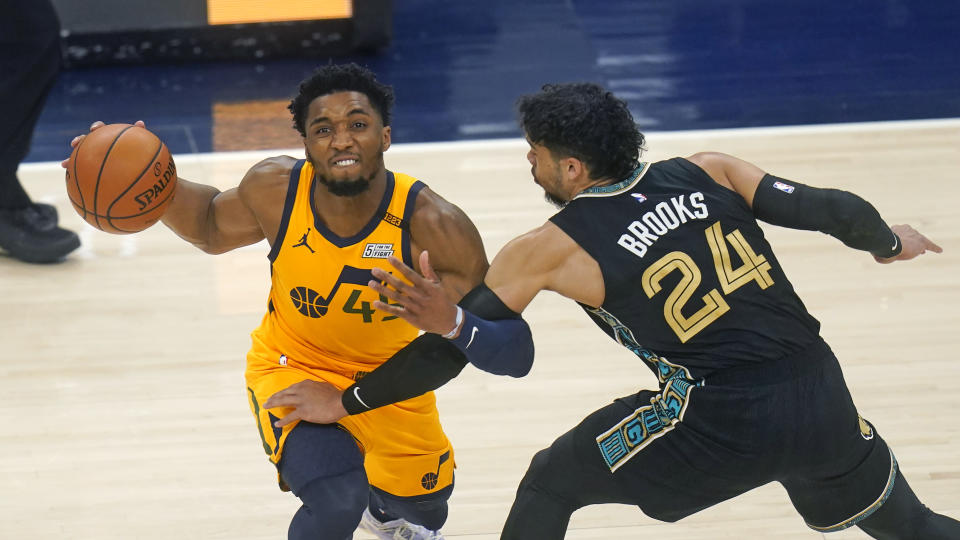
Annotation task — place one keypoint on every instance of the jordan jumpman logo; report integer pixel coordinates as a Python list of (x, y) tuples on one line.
[(303, 242)]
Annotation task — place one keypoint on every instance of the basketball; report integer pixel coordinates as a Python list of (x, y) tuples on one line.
[(121, 178)]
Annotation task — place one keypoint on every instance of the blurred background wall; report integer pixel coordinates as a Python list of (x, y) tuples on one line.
[(207, 84)]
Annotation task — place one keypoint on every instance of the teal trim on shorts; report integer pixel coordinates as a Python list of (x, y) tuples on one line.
[(866, 512)]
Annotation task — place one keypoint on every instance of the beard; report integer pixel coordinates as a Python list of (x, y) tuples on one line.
[(554, 200), (345, 188)]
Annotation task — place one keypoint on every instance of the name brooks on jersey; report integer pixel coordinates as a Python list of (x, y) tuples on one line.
[(664, 218)]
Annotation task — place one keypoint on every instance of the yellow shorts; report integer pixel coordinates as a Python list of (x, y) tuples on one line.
[(405, 450)]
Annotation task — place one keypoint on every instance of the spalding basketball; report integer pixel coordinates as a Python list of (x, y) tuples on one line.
[(121, 178)]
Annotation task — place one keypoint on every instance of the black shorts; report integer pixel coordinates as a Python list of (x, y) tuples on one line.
[(686, 448)]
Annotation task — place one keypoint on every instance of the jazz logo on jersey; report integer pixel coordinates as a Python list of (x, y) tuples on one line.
[(311, 303), (786, 188), (640, 197), (377, 251)]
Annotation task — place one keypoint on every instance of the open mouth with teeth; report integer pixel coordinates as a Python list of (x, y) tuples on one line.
[(346, 162)]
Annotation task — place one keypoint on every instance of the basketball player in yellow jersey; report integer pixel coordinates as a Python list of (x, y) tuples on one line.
[(331, 219)]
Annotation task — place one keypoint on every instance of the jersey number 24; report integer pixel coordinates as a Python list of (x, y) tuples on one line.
[(753, 268)]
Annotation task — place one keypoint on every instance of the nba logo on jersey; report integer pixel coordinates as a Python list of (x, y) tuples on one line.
[(640, 197), (786, 188), (377, 251)]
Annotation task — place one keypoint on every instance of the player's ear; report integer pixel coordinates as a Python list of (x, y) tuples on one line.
[(385, 141), (573, 168)]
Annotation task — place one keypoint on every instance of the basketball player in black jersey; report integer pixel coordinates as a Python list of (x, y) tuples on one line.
[(667, 258)]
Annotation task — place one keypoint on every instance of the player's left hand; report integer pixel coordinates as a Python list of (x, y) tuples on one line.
[(313, 401), (422, 302), (79, 138), (914, 244)]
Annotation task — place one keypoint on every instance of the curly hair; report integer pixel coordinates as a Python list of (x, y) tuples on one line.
[(340, 78), (584, 121)]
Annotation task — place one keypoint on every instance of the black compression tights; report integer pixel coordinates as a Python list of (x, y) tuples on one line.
[(331, 508), (904, 517), (539, 512)]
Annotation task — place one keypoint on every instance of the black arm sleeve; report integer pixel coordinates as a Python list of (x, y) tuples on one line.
[(841, 214), (425, 364)]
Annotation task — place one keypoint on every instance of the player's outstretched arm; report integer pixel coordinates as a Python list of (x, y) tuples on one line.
[(212, 220), (219, 221), (841, 214)]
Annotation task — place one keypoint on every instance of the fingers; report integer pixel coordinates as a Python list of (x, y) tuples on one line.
[(288, 419), (929, 244), (283, 398), (392, 294), (96, 125), (392, 309), (139, 123), (389, 278), (407, 272)]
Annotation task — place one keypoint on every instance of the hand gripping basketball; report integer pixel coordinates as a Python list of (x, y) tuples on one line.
[(120, 177)]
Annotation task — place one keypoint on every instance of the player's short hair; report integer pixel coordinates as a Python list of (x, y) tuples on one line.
[(341, 78), (584, 121)]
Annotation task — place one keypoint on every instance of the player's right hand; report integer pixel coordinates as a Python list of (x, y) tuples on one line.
[(96, 125), (914, 244), (422, 302), (313, 401)]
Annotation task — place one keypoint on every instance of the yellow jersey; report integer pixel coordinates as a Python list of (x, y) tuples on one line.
[(320, 310)]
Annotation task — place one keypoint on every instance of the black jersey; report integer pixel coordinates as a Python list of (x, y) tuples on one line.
[(691, 284)]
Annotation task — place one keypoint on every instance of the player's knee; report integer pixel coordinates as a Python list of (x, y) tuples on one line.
[(332, 507), (537, 472), (431, 514)]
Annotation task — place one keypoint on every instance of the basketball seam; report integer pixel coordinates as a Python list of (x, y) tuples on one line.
[(124, 192), (103, 164)]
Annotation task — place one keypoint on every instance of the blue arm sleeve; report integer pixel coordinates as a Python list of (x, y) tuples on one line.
[(501, 347)]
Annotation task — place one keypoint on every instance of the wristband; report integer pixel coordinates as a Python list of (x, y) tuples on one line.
[(457, 324)]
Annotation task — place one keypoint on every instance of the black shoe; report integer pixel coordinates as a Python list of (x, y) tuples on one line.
[(31, 234)]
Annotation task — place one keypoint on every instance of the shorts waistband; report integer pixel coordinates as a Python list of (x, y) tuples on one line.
[(803, 362)]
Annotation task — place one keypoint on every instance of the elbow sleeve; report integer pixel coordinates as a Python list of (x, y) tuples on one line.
[(493, 337)]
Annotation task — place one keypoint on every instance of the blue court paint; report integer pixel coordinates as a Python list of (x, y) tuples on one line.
[(458, 67)]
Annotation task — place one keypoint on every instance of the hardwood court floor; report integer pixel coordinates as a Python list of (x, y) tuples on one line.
[(121, 371)]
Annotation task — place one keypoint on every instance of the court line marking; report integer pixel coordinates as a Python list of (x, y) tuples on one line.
[(511, 143)]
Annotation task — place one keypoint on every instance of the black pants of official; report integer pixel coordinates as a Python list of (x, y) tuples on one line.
[(29, 64)]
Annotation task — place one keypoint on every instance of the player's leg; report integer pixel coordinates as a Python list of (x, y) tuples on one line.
[(546, 497), (409, 464), (323, 466), (429, 511), (844, 474), (904, 517), (632, 452)]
